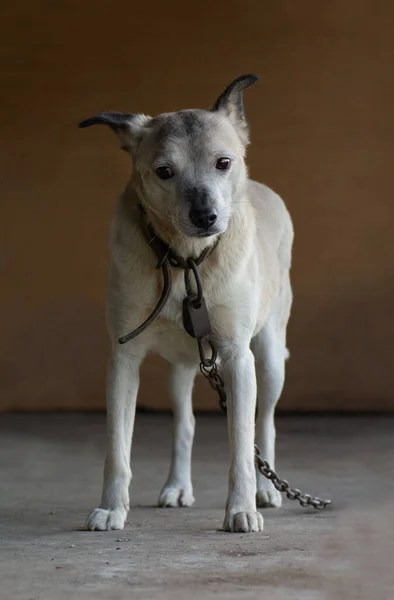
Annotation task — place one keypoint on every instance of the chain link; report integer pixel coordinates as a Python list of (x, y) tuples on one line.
[(216, 383)]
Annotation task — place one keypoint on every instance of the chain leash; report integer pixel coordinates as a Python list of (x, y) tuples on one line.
[(283, 486)]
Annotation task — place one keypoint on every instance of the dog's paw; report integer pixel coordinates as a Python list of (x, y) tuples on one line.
[(101, 519), (243, 522), (266, 498), (174, 496)]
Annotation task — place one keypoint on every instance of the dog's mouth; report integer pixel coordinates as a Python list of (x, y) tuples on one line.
[(196, 232), (205, 234)]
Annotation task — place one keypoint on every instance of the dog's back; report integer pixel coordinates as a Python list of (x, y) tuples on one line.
[(274, 237), (273, 221)]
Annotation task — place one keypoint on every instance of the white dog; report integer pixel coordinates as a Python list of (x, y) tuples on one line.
[(190, 178)]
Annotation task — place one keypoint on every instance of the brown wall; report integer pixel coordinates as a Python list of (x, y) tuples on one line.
[(322, 125)]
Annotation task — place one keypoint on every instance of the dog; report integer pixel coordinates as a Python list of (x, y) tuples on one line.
[(190, 177)]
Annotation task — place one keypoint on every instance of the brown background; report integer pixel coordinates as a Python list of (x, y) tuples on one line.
[(322, 127)]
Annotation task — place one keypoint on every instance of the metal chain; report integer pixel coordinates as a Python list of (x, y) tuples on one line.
[(283, 486), (216, 383), (208, 368)]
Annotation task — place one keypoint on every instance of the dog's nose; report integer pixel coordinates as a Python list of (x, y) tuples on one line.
[(203, 218)]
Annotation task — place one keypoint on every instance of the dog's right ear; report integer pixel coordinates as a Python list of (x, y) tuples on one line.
[(128, 127)]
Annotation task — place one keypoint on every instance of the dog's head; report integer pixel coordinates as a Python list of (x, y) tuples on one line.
[(189, 166)]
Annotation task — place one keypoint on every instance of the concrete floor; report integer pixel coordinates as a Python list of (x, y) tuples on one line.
[(50, 477)]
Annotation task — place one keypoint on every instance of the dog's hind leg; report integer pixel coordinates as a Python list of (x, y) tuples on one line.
[(270, 354), (122, 388), (178, 489)]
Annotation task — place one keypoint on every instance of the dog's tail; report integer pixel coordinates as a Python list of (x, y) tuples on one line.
[(287, 354)]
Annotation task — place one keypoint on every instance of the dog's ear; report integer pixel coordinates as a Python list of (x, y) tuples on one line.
[(128, 127), (231, 103)]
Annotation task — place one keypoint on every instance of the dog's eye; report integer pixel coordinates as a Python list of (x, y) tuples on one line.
[(223, 164), (164, 172)]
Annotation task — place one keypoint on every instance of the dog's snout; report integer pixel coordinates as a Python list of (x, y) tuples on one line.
[(203, 218), (202, 212)]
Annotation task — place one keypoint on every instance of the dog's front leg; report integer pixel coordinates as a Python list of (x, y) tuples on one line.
[(178, 489), (240, 382), (122, 388)]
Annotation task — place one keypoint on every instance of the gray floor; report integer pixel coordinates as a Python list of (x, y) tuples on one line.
[(50, 476)]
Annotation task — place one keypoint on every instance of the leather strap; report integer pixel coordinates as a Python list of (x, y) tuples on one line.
[(165, 256)]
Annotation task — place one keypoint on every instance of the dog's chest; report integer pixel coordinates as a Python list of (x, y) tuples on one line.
[(173, 309), (169, 338)]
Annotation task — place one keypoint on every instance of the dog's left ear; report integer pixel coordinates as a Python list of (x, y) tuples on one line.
[(231, 102), (128, 127)]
